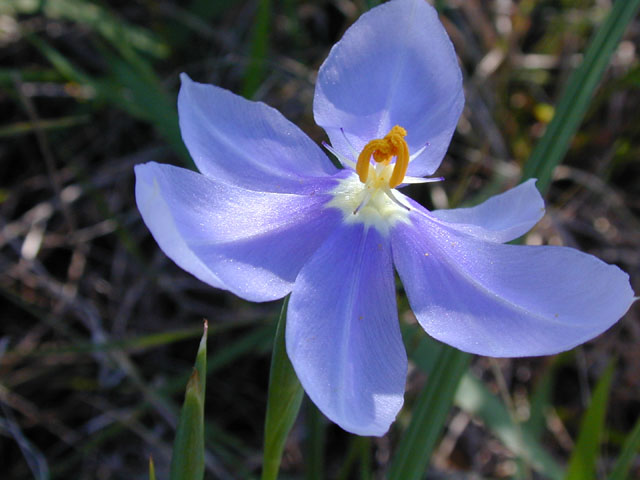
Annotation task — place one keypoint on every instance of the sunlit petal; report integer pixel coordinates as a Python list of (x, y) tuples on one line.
[(505, 300), (394, 66), (501, 218), (251, 243), (246, 143), (343, 336)]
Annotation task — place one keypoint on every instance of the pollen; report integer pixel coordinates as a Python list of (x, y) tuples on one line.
[(368, 195), (383, 150)]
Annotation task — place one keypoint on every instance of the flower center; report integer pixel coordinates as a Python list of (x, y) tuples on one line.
[(383, 150), (369, 197)]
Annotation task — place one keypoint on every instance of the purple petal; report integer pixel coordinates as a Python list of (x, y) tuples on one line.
[(394, 66), (501, 218), (505, 300), (250, 243), (245, 143), (343, 336)]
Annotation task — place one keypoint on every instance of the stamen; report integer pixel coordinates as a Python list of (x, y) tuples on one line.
[(390, 194), (418, 152), (365, 200), (341, 158), (422, 180), (353, 149), (382, 150)]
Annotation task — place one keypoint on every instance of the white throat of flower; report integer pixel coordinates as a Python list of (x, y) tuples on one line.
[(368, 195)]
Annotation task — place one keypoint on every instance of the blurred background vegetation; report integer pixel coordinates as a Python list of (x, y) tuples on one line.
[(99, 329)]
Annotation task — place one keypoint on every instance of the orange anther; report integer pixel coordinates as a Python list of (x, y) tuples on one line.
[(382, 150)]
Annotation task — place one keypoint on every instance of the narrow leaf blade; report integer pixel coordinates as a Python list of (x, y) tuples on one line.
[(316, 436), (577, 95), (627, 455), (187, 462), (258, 52), (283, 402), (582, 465), (429, 415), (474, 398), (152, 469)]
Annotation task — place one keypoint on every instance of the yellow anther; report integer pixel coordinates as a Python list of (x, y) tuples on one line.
[(383, 150)]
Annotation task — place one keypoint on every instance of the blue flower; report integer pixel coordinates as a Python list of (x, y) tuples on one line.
[(270, 215)]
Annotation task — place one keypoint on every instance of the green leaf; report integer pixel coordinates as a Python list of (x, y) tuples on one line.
[(23, 128), (131, 86), (96, 17), (187, 462), (577, 95), (258, 50), (365, 459), (540, 402), (152, 469), (358, 451), (351, 457), (429, 413), (582, 465), (629, 450), (316, 428), (28, 74), (474, 398), (283, 402), (140, 91)]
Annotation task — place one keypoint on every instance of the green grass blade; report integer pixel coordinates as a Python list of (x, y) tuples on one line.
[(137, 344), (131, 86), (540, 402), (283, 402), (140, 86), (474, 398), (350, 458), (429, 414), (582, 464), (26, 74), (314, 462), (152, 469), (191, 18), (366, 472), (187, 462), (627, 455), (245, 345), (63, 66), (258, 50), (96, 17), (23, 128), (577, 95)]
